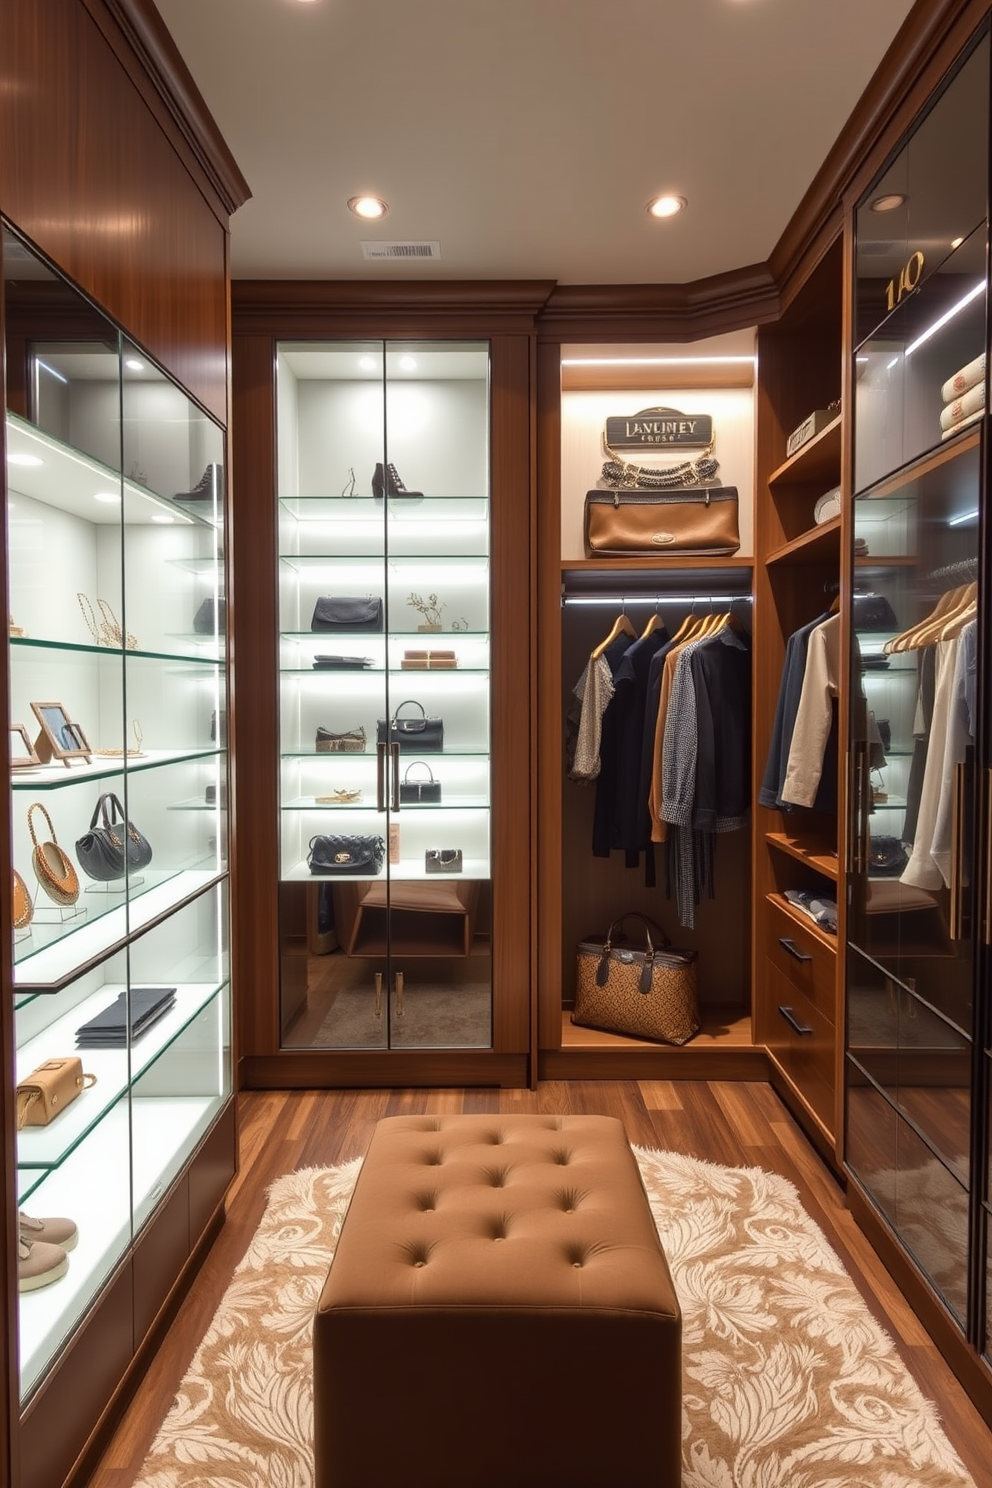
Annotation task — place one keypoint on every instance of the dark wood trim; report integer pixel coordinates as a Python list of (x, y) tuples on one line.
[(392, 307), (144, 42), (253, 723), (510, 717), (361, 1069), (973, 1373), (736, 1062), (548, 878), (660, 312)]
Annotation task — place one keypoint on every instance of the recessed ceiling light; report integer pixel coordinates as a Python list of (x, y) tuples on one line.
[(367, 364), (133, 365), (666, 206), (162, 517), (407, 364), (889, 202), (368, 207), (106, 496), (13, 459), (956, 242)]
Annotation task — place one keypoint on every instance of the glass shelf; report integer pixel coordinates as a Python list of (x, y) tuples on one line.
[(337, 509), (64, 477), (117, 652), (45, 963), (402, 872), (456, 803), (48, 1146), (424, 638), (57, 776)]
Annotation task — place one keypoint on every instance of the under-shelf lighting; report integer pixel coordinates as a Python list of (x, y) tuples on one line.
[(107, 496), (51, 371), (674, 361), (368, 364), (968, 516), (408, 364), (133, 365), (947, 315), (18, 459)]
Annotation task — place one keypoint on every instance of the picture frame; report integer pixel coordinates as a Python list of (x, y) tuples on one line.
[(23, 755), (60, 738)]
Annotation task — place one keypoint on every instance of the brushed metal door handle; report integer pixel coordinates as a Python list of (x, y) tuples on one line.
[(793, 1022)]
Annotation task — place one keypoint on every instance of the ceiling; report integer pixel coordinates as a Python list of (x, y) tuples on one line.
[(526, 136)]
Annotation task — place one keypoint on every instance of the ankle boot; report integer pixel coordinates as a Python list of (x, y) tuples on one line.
[(210, 484), (386, 482)]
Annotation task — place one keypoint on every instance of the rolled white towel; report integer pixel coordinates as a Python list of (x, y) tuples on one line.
[(972, 418), (963, 380), (972, 402)]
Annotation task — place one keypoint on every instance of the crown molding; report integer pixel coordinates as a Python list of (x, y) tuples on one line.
[(661, 312), (148, 38), (329, 304)]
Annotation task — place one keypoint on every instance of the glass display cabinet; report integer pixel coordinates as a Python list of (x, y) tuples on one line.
[(385, 873), (914, 1132), (117, 718)]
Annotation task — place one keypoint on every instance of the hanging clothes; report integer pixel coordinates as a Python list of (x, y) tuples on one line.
[(952, 730), (815, 716), (787, 706)]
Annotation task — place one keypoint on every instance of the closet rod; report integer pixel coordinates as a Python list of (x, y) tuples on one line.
[(669, 598)]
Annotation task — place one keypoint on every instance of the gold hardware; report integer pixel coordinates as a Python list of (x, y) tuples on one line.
[(378, 994), (399, 994)]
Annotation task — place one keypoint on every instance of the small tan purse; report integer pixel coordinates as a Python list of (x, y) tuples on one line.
[(49, 1089), (52, 866)]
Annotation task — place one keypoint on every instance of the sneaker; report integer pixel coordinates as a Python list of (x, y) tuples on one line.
[(50, 1231), (39, 1264)]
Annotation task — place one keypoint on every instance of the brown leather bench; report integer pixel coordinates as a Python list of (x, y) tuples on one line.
[(498, 1312)]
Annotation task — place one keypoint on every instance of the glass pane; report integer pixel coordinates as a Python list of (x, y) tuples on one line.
[(913, 678), (398, 956)]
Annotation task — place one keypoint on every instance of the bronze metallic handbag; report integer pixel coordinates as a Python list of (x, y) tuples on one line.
[(689, 520), (649, 993)]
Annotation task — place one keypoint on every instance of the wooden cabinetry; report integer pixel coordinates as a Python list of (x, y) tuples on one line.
[(796, 972), (144, 1157)]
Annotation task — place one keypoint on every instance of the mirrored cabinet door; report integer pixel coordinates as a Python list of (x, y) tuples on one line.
[(384, 596)]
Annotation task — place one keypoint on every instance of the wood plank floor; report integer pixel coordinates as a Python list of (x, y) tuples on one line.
[(733, 1123)]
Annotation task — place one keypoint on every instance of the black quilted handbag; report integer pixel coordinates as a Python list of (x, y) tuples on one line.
[(361, 856), (421, 735), (115, 846)]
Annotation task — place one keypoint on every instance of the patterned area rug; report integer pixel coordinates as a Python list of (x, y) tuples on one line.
[(788, 1380)]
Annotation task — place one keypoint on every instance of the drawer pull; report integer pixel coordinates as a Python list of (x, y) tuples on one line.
[(793, 1022), (793, 949)]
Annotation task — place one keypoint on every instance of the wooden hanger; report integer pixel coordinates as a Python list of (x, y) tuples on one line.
[(926, 631), (652, 625), (621, 626), (961, 615)]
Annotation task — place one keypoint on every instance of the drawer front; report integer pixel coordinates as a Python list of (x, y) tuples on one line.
[(804, 960), (802, 1042)]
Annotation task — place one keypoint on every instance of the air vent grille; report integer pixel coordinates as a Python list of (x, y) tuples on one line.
[(876, 249), (401, 250)]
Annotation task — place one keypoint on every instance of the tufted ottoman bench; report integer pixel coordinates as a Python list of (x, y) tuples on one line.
[(498, 1312)]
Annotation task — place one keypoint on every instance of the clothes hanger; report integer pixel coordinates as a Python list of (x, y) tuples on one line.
[(959, 617), (653, 622), (912, 637), (621, 626), (689, 627)]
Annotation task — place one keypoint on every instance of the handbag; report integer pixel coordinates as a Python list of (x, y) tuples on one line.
[(443, 860), (414, 791), (341, 663), (352, 741), (352, 855), (210, 617), (109, 850), (49, 1089), (23, 908), (886, 855), (52, 866), (687, 520), (423, 735), (873, 612), (649, 993), (346, 613)]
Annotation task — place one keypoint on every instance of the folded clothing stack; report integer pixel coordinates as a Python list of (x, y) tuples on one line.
[(112, 1028), (822, 911), (964, 398)]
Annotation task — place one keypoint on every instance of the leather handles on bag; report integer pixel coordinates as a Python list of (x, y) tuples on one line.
[(645, 980)]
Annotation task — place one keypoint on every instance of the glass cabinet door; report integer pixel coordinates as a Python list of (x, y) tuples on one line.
[(385, 880), (115, 570), (916, 635)]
